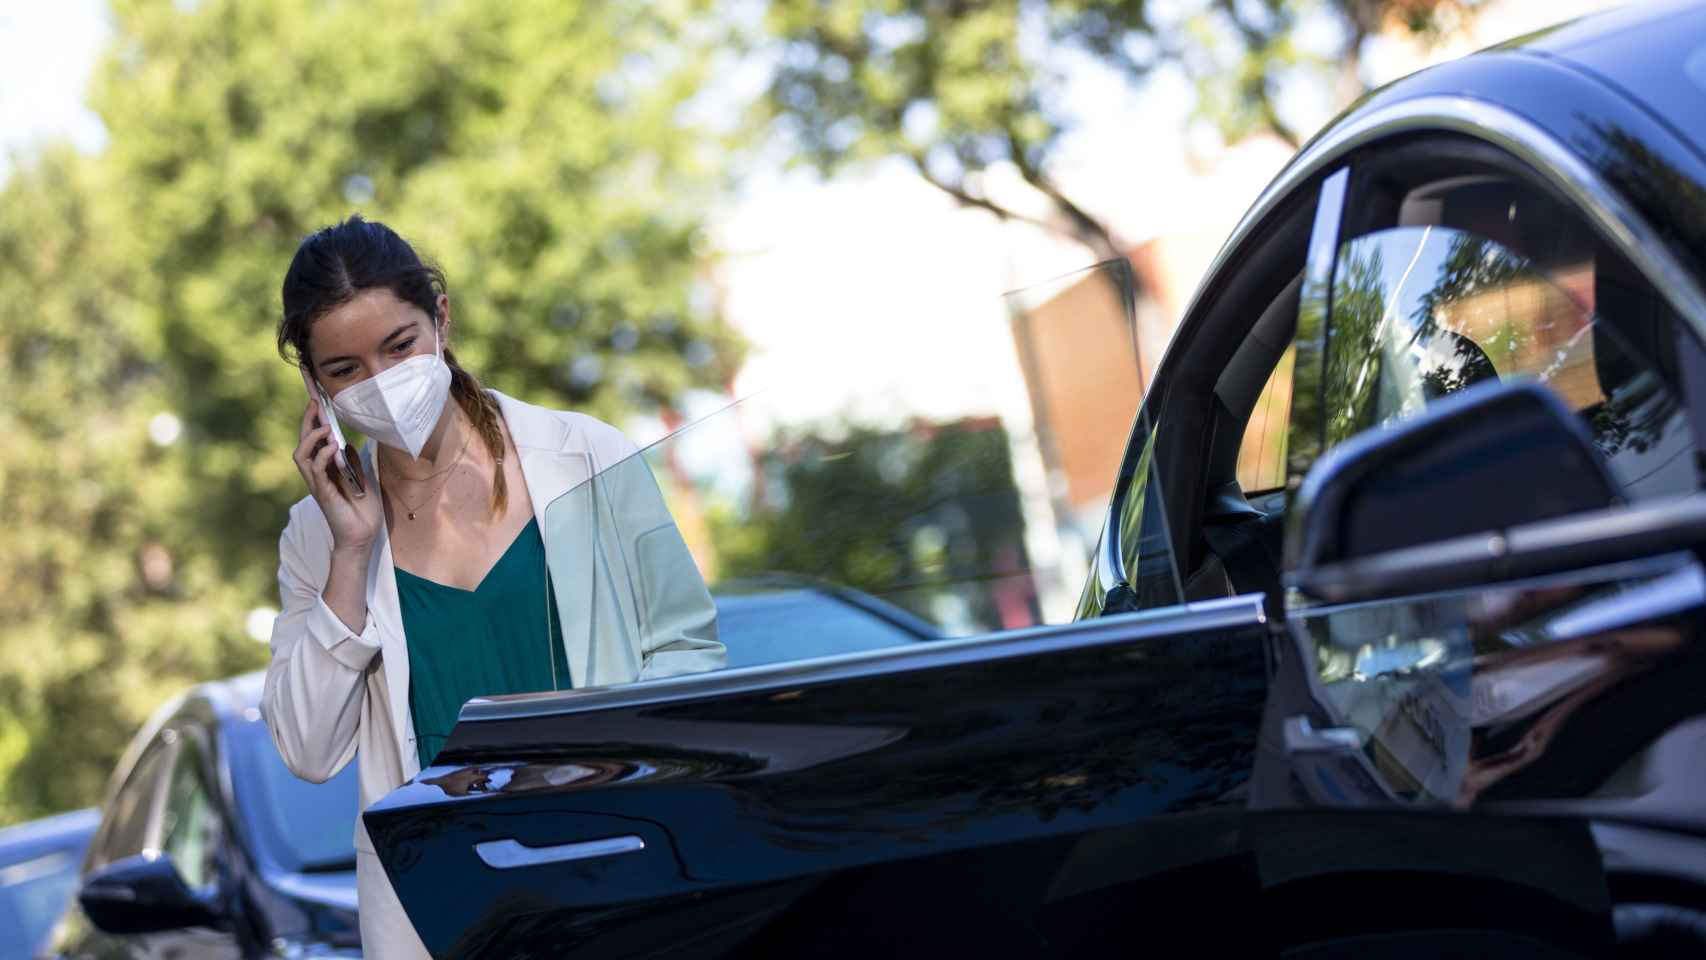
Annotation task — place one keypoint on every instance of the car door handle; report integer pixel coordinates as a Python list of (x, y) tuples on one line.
[(1301, 736), (508, 853)]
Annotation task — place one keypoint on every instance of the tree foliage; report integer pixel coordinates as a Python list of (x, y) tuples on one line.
[(536, 150), (957, 86), (921, 517)]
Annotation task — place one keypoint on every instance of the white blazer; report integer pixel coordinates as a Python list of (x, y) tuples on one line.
[(630, 602)]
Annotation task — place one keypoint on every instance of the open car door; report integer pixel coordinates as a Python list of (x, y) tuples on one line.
[(826, 695), (1485, 727)]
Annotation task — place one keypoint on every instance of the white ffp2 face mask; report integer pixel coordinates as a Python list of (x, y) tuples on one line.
[(401, 405)]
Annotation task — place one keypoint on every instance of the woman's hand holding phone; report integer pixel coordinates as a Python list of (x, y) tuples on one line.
[(354, 516)]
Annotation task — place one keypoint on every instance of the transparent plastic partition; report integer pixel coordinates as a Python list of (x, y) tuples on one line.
[(938, 475), (1088, 353)]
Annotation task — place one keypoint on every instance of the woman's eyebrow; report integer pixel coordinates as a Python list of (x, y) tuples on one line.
[(405, 328)]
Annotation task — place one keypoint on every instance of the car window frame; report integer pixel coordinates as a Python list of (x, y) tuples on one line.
[(1172, 427)]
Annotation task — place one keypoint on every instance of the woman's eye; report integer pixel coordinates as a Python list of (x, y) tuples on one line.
[(403, 346), (342, 372)]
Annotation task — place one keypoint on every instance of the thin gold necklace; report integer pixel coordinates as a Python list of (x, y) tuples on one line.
[(442, 473)]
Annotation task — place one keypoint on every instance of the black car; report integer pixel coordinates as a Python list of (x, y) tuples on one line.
[(210, 847), (38, 872), (1435, 685)]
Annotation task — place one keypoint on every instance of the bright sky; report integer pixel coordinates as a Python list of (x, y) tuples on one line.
[(47, 51)]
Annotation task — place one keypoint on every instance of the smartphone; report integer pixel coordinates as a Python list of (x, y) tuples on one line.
[(340, 462)]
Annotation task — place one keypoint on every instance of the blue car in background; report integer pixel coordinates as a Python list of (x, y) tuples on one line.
[(39, 861), (760, 621), (210, 848)]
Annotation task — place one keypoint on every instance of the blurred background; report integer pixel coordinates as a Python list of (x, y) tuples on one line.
[(646, 212)]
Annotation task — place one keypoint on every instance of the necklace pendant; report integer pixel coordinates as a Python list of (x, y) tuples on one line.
[(411, 514)]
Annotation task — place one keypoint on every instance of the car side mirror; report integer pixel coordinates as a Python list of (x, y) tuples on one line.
[(144, 894), (1472, 466)]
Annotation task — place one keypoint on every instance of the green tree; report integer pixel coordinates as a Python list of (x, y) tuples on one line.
[(956, 86), (537, 150)]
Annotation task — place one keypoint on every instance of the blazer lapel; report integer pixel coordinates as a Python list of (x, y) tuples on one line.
[(386, 609)]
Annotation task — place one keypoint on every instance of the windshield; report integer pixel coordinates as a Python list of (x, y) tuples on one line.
[(305, 826), (852, 507)]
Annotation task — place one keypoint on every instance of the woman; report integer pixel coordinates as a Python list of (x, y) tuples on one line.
[(420, 581)]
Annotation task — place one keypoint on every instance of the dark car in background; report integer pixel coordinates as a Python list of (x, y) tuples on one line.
[(209, 847), (1434, 686), (39, 862)]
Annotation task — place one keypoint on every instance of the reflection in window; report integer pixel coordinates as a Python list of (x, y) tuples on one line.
[(190, 828), (125, 832), (1419, 313)]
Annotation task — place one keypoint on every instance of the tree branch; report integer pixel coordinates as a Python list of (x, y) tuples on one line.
[(1257, 43), (972, 200), (1086, 229)]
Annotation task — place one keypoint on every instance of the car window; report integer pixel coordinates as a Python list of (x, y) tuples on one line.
[(1261, 452), (1449, 281), (1419, 313), (126, 821), (191, 830)]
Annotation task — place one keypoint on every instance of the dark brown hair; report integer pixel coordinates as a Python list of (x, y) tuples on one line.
[(338, 262)]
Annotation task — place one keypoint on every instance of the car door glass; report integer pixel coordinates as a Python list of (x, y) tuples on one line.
[(125, 823), (836, 511), (1421, 312), (190, 827)]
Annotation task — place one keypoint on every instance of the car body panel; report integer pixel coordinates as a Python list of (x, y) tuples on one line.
[(39, 863), (1656, 52), (779, 779)]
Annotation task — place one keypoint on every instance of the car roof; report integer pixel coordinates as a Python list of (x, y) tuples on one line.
[(232, 696), (1654, 52)]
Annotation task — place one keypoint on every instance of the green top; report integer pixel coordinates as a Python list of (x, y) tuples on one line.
[(481, 642)]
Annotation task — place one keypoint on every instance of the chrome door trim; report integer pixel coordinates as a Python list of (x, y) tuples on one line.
[(1515, 134), (509, 854)]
